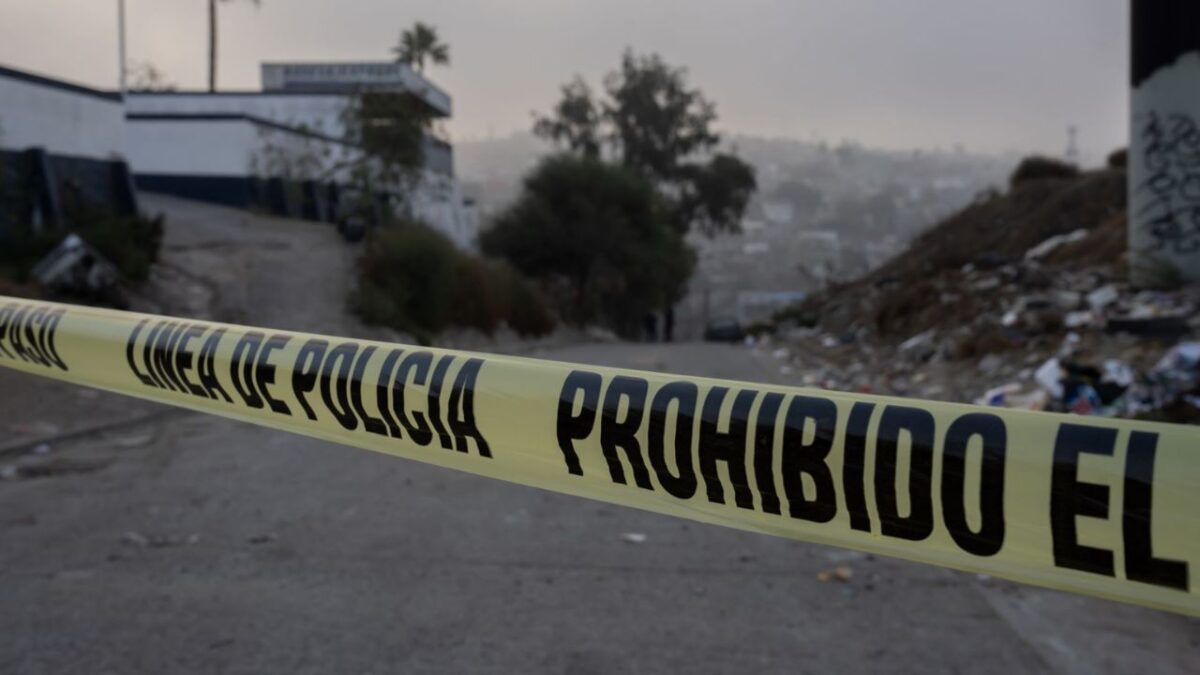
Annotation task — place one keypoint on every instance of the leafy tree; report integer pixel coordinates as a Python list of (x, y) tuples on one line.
[(419, 43), (661, 128), (657, 121), (212, 41), (713, 195), (575, 122), (597, 236)]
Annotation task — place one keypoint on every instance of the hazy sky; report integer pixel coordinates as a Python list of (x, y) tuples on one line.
[(995, 75)]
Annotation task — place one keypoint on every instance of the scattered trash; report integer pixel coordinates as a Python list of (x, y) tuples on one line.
[(263, 538), (75, 267), (1049, 376), (41, 449), (840, 573), (921, 346), (1168, 327), (1103, 297), (986, 284), (633, 537), (1079, 319), (1054, 242)]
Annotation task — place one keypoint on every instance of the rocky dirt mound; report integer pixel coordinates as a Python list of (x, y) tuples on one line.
[(1019, 299), (974, 262)]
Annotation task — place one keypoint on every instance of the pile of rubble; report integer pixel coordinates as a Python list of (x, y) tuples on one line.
[(1052, 326)]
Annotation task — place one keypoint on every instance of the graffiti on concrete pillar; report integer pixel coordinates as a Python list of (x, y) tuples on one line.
[(1168, 198)]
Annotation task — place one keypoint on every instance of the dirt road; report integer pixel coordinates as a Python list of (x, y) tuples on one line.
[(197, 544)]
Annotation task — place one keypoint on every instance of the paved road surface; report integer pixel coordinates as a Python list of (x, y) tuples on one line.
[(197, 544)]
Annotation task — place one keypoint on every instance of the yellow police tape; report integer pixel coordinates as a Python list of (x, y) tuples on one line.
[(1101, 507)]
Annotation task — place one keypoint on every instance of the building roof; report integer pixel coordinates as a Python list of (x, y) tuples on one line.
[(44, 81)]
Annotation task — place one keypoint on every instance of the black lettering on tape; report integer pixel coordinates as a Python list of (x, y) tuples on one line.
[(34, 339), (1140, 563), (6, 314), (241, 368), (1070, 497), (129, 345), (264, 373), (306, 371), (435, 399), (681, 395), (49, 334), (373, 425), (621, 434), (338, 402), (727, 447), (166, 353), (854, 466), (571, 427), (418, 364), (764, 451), (991, 432), (801, 458), (207, 367), (382, 387), (148, 354), (184, 358), (462, 409), (918, 424), (14, 334)]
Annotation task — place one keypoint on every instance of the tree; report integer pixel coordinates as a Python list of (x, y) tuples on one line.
[(212, 41), (419, 43), (713, 196), (575, 122), (145, 76), (661, 128), (597, 236), (657, 121)]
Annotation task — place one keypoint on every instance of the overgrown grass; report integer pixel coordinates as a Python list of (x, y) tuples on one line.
[(413, 279), (130, 243)]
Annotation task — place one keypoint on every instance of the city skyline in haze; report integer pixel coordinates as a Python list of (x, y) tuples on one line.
[(924, 73)]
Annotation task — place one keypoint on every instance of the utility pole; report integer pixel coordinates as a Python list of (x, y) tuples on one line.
[(121, 83), (1164, 142), (212, 45)]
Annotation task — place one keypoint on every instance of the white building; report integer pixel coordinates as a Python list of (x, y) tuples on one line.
[(243, 148), (65, 143)]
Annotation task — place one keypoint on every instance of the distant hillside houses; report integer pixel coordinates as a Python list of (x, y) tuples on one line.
[(281, 148)]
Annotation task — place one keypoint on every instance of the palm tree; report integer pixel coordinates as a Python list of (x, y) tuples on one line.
[(212, 41), (419, 43)]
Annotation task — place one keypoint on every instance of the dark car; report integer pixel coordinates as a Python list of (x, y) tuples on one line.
[(724, 330)]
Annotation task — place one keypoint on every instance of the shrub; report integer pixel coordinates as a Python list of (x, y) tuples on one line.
[(1118, 159), (405, 280), (528, 310), (596, 235), (413, 279), (131, 243), (1042, 168)]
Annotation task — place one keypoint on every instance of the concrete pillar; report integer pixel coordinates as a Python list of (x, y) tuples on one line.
[(1164, 142)]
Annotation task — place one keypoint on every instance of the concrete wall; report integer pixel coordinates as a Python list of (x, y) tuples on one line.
[(228, 159), (63, 118), (219, 147), (319, 112)]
